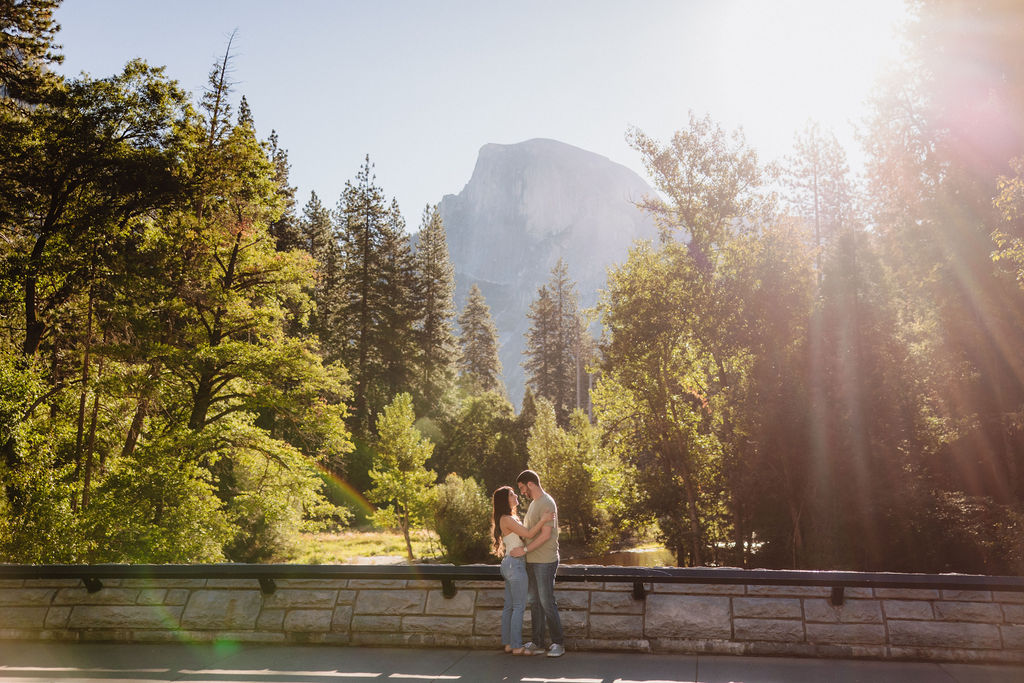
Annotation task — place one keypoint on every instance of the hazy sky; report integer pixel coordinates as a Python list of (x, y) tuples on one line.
[(421, 85)]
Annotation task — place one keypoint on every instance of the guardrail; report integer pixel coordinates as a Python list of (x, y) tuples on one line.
[(92, 575)]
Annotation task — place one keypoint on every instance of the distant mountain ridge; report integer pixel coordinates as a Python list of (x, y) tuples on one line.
[(527, 205)]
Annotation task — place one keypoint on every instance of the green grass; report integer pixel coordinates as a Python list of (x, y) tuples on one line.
[(364, 547)]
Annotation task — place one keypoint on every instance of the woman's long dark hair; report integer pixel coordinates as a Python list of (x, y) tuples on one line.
[(501, 508)]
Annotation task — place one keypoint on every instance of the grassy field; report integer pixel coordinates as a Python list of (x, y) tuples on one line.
[(364, 547)]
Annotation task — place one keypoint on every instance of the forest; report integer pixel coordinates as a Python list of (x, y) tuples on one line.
[(809, 368)]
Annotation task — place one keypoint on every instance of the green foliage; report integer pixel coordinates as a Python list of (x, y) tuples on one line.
[(462, 520), (577, 473), (401, 481), (557, 349), (155, 506), (478, 340), (477, 441), (435, 288)]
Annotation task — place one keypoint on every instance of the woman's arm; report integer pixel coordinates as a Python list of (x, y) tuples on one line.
[(510, 526)]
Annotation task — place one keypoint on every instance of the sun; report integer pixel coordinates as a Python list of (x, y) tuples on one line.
[(803, 59)]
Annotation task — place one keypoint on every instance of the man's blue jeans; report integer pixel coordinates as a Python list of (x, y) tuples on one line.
[(543, 610)]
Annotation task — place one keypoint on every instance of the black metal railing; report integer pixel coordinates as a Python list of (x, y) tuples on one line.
[(92, 576)]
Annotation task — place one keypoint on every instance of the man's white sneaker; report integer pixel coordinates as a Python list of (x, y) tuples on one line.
[(556, 650), (533, 649)]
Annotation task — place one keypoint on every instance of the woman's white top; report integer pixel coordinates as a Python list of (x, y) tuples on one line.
[(511, 542)]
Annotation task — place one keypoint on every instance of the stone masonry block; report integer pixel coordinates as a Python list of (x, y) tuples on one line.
[(57, 617), (574, 623), (227, 584), (850, 612), (390, 602), (270, 620), (342, 618), (26, 597), (363, 584), (1008, 596), (983, 612), (23, 617), (846, 634), (160, 583), (487, 622), (107, 596), (295, 597), (124, 616), (684, 616), (308, 620), (376, 624), (908, 609), (767, 608), (347, 597), (774, 630), (944, 634), (968, 596), (222, 609), (791, 591), (907, 593), (461, 604), (490, 598), (694, 588), (611, 602), (177, 596), (1013, 613), (571, 600), (616, 626), (461, 626), (1013, 637), (328, 584), (152, 596)]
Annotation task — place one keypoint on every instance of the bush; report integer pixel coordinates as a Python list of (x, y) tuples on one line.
[(462, 520)]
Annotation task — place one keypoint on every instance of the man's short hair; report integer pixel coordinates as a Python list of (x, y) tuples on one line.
[(528, 477)]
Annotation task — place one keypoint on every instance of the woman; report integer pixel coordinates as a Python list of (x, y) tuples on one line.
[(508, 534)]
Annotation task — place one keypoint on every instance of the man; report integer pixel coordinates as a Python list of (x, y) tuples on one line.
[(541, 563)]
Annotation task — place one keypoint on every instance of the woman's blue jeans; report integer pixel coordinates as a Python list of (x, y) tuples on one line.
[(513, 569)]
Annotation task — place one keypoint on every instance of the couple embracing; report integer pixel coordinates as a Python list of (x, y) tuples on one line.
[(530, 559)]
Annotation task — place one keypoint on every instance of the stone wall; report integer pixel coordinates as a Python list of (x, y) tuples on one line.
[(690, 618)]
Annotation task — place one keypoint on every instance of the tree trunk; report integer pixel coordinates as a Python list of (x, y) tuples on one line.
[(405, 532)]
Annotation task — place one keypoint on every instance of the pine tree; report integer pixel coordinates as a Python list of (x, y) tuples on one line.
[(317, 239), (436, 285), (374, 319), (27, 31), (555, 344), (398, 350), (286, 229), (479, 362), (819, 186)]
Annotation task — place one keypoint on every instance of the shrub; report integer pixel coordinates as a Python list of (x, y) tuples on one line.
[(462, 520)]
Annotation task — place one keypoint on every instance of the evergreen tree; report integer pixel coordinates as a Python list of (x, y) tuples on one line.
[(555, 344), (285, 229), (479, 363), (819, 187), (374, 262), (27, 31), (317, 239), (398, 350), (436, 286)]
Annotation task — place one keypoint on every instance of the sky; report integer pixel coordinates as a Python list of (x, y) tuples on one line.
[(420, 85)]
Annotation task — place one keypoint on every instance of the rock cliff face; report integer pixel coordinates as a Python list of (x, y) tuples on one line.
[(526, 206)]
